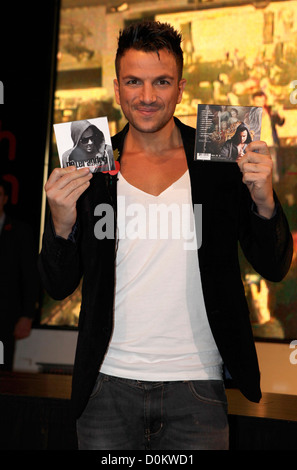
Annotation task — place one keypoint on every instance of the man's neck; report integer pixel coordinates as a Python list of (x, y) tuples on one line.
[(153, 142)]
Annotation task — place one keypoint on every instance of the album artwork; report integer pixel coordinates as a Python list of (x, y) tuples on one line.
[(85, 143), (223, 132)]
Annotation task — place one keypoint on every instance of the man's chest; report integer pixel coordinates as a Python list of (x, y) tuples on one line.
[(153, 175)]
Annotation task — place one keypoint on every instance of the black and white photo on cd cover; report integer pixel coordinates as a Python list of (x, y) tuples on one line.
[(85, 143)]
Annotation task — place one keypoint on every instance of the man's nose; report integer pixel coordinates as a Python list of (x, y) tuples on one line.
[(148, 95)]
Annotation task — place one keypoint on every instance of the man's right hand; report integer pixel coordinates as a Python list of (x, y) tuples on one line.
[(63, 188)]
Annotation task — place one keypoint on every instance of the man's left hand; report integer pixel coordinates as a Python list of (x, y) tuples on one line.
[(256, 167)]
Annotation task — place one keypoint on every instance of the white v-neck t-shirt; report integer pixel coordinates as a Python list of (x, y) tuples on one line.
[(161, 331)]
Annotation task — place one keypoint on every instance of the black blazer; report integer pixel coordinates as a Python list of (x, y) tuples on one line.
[(227, 217)]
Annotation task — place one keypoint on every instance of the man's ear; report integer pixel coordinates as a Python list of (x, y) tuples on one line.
[(117, 90), (181, 88)]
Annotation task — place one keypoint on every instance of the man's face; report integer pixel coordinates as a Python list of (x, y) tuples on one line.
[(259, 101), (86, 141), (3, 200), (243, 137), (148, 89)]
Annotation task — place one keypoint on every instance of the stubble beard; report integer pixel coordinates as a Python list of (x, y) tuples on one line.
[(147, 127)]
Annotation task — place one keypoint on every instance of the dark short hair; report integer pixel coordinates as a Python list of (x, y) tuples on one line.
[(259, 93), (236, 137), (150, 36)]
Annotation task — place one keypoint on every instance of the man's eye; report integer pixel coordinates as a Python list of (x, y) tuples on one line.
[(132, 81), (163, 82)]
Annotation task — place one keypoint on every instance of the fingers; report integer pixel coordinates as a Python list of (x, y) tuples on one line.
[(256, 161), (256, 172), (63, 189), (61, 177), (57, 174), (69, 195), (256, 167), (65, 182), (258, 146)]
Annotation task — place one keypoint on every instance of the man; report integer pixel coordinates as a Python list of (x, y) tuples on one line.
[(234, 148), (157, 321), (18, 279), (89, 148)]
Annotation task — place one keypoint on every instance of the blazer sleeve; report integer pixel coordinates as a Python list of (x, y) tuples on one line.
[(59, 263), (266, 243)]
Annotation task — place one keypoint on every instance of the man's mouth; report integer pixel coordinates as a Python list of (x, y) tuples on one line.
[(147, 110)]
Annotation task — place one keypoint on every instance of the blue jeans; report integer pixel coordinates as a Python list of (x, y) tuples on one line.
[(124, 414)]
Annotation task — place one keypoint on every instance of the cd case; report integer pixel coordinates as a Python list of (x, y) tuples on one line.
[(223, 132), (85, 143)]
